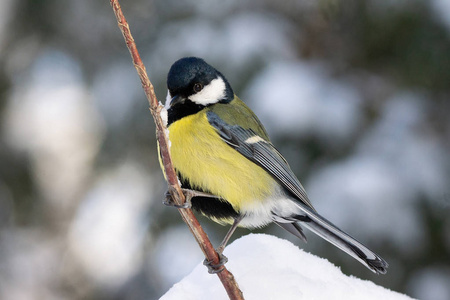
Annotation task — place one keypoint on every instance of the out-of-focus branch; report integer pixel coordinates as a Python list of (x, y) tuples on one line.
[(225, 276)]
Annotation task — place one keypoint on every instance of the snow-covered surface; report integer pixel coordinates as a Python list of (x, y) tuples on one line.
[(267, 267)]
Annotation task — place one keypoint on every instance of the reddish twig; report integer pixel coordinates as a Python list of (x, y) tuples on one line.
[(210, 253)]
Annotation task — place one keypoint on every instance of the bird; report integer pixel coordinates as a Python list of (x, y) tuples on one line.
[(230, 170)]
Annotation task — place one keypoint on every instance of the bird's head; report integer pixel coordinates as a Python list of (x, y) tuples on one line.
[(193, 84)]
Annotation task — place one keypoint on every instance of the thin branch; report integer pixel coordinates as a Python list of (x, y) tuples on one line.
[(225, 276)]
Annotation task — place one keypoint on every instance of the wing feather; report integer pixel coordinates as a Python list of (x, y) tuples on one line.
[(261, 152)]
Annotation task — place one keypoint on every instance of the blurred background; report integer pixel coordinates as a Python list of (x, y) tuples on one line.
[(355, 94)]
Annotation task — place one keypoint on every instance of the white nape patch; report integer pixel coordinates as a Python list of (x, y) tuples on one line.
[(211, 93), (168, 99), (254, 139)]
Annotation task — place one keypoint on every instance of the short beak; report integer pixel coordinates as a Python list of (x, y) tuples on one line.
[(175, 100)]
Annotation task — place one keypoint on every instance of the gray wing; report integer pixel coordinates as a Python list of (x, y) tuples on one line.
[(261, 152), (264, 154)]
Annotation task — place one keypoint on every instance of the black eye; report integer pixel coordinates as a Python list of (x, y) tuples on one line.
[(198, 87)]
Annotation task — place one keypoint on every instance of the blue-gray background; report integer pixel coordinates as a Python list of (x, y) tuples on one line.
[(354, 93)]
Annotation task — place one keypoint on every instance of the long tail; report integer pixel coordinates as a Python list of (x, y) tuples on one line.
[(343, 241)]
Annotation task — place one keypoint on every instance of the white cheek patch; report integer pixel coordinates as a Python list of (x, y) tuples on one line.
[(211, 93)]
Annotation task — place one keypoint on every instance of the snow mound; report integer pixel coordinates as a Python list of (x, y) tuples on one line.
[(267, 267)]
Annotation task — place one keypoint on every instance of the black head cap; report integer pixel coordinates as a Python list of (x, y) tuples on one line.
[(188, 71)]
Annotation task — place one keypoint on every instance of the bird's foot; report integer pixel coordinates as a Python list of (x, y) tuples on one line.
[(216, 268), (168, 201), (188, 195)]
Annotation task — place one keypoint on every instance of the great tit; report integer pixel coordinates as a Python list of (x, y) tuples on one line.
[(221, 151)]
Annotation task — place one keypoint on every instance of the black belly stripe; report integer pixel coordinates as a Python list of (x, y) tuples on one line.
[(209, 206), (214, 208)]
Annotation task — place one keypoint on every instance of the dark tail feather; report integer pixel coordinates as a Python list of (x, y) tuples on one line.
[(293, 228), (343, 241)]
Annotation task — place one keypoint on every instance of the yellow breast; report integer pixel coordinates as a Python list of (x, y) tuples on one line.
[(208, 163)]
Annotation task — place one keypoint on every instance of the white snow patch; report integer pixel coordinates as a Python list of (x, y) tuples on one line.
[(164, 115), (168, 100), (267, 267)]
